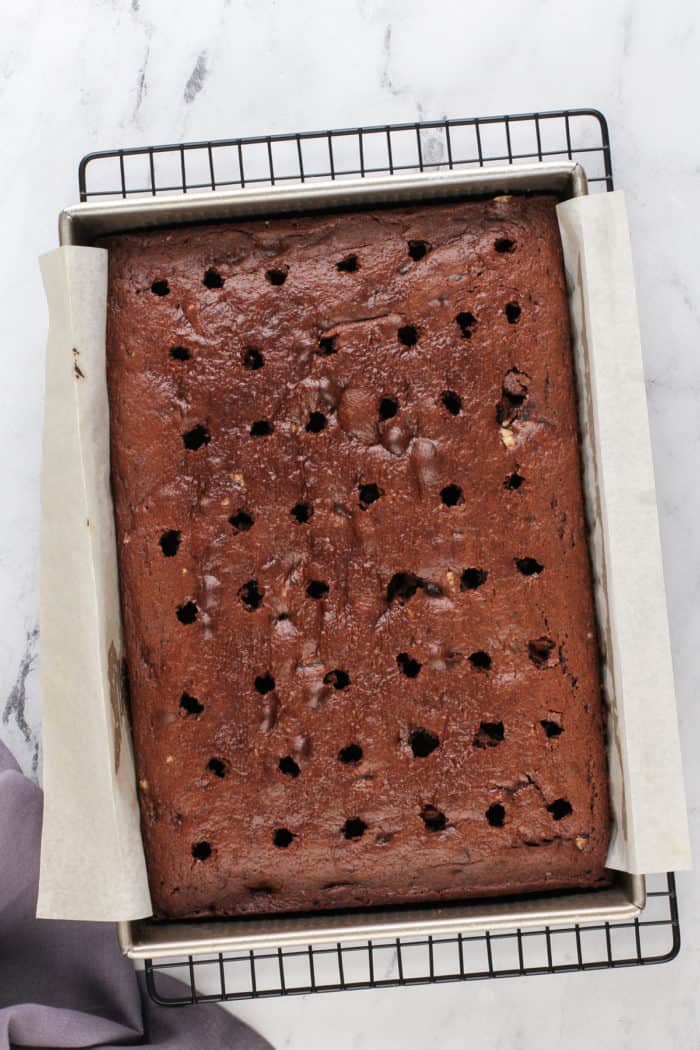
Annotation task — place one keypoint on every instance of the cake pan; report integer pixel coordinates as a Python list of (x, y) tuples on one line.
[(151, 939), (81, 224)]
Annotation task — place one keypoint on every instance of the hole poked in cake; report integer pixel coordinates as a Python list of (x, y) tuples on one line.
[(350, 755), (560, 808), (251, 595), (302, 513), (407, 335), (160, 287), (180, 353), (316, 423), (213, 279), (466, 322), (187, 613), (551, 728), (418, 250), (472, 579), (218, 767), (529, 566), (201, 850), (354, 828), (402, 586), (408, 666), (289, 767), (327, 345), (349, 264), (282, 838), (480, 660), (169, 542), (261, 428), (264, 683), (504, 245), (490, 734), (540, 651), (276, 277), (253, 359), (452, 495), (451, 401), (369, 494), (496, 815), (512, 311), (190, 705), (242, 521), (514, 481), (196, 438), (338, 678), (423, 742), (317, 589), (433, 818), (514, 393), (388, 407)]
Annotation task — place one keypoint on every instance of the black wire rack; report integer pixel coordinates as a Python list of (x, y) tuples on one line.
[(388, 149), (579, 134)]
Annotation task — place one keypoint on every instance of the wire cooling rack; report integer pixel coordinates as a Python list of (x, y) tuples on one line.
[(579, 134), (267, 160)]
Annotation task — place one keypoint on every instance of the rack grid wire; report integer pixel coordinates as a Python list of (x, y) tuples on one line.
[(577, 134)]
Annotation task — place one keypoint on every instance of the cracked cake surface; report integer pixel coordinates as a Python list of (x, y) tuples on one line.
[(355, 581)]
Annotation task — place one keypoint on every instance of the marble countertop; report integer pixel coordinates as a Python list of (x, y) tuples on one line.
[(95, 74)]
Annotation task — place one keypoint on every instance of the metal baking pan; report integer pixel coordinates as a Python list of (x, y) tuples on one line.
[(148, 939), (81, 224)]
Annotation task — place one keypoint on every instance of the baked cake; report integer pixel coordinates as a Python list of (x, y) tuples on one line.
[(355, 579)]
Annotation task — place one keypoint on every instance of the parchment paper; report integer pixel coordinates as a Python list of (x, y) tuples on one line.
[(650, 830), (92, 862)]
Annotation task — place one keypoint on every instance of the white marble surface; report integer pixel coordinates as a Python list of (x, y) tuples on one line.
[(93, 74)]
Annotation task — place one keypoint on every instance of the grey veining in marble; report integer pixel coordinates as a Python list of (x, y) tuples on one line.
[(92, 74)]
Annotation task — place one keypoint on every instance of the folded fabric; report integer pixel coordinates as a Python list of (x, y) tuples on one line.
[(66, 984)]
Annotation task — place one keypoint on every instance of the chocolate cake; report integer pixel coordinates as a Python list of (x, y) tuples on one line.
[(355, 580)]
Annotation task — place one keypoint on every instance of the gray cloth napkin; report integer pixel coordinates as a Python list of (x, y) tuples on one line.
[(66, 984)]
